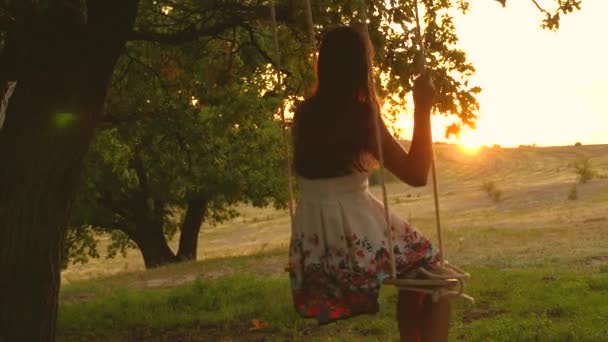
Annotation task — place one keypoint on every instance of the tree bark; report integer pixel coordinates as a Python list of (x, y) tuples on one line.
[(188, 240), (63, 68)]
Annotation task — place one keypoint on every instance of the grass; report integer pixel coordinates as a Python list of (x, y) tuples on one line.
[(537, 304), (228, 302), (526, 304), (539, 263)]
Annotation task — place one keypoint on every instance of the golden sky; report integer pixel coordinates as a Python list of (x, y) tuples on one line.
[(539, 87)]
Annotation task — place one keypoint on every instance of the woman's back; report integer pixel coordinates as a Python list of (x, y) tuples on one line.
[(331, 137)]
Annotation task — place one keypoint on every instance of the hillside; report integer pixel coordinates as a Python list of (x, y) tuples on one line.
[(534, 182)]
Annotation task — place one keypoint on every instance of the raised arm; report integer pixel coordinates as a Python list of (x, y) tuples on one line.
[(412, 167)]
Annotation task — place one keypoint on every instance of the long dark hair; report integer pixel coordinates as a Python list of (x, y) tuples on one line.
[(333, 129)]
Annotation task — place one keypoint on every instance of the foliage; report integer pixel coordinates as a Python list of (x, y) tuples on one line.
[(552, 19), (80, 245), (490, 188)]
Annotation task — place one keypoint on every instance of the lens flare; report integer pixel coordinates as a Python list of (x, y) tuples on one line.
[(64, 119)]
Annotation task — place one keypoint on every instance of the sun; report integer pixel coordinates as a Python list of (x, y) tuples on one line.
[(469, 143), (469, 148)]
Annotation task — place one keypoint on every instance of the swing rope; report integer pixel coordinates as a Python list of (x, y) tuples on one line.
[(433, 167), (311, 30), (378, 124), (286, 144)]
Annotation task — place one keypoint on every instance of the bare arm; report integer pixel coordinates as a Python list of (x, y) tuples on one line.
[(412, 167)]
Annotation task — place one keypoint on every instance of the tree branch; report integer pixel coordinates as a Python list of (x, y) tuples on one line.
[(187, 35), (234, 15), (254, 42), (539, 7), (150, 69)]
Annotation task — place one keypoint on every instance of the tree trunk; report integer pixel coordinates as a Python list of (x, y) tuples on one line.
[(153, 246), (63, 68), (188, 240), (150, 216)]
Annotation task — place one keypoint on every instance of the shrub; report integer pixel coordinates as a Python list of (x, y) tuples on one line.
[(578, 143), (490, 188), (573, 195), (583, 170)]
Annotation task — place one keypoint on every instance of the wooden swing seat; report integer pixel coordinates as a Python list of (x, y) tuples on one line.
[(445, 281)]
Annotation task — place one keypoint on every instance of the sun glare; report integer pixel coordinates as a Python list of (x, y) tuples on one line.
[(469, 149), (468, 142)]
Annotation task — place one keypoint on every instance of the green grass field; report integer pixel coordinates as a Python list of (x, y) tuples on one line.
[(539, 264)]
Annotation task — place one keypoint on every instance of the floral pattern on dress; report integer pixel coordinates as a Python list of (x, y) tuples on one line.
[(337, 280)]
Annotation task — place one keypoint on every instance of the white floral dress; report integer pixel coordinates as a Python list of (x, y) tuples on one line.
[(338, 256)]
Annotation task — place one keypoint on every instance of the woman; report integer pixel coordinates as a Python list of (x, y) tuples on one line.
[(339, 250)]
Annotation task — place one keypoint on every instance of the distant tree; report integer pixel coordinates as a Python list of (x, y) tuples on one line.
[(578, 143), (186, 162)]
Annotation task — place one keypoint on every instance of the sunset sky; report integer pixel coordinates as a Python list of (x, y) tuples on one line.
[(539, 87)]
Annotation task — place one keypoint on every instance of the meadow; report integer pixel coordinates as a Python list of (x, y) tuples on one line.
[(534, 238)]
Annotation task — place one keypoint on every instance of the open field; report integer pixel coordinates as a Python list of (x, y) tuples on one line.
[(539, 262)]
